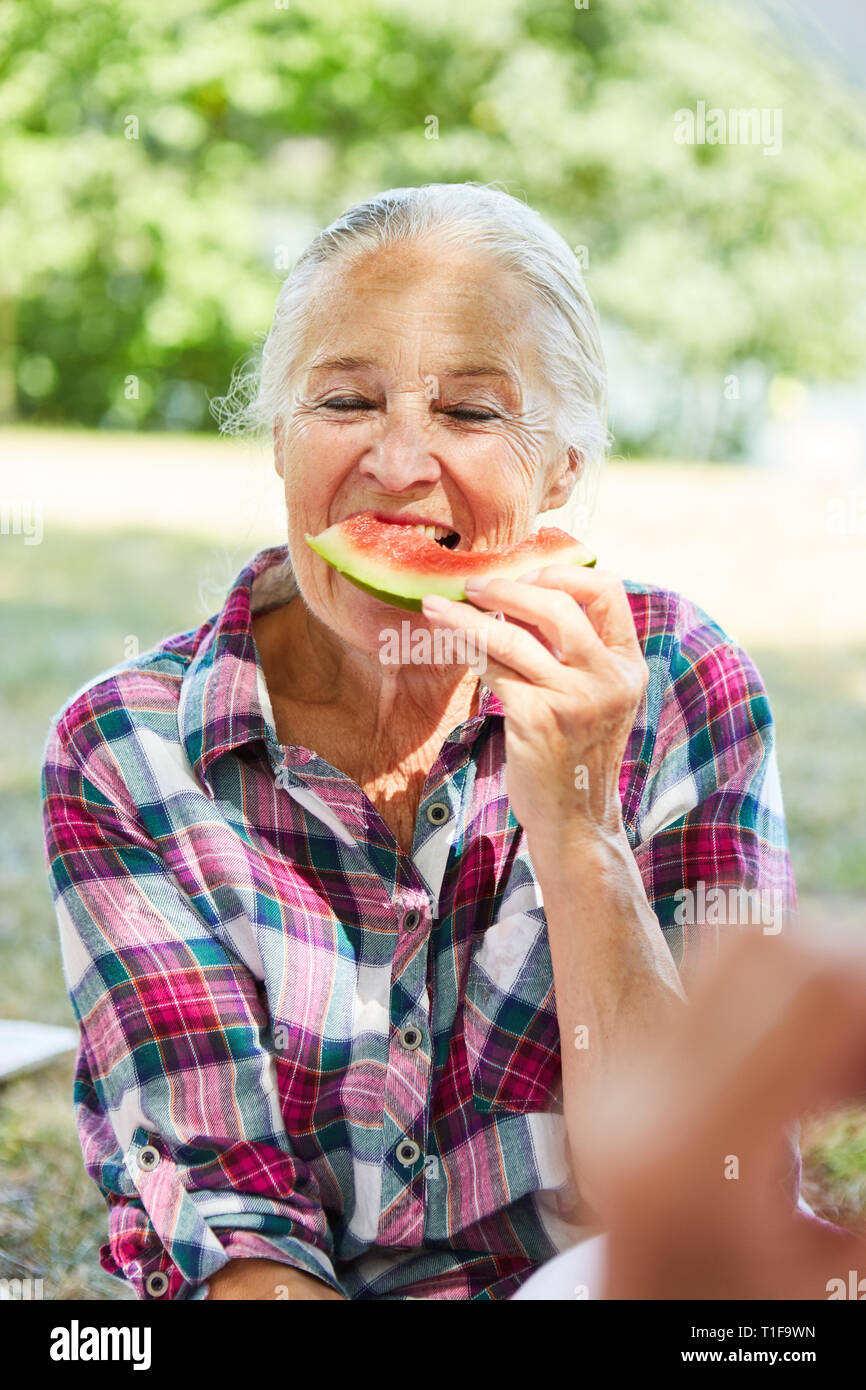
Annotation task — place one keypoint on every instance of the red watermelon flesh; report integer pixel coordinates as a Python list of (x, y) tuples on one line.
[(399, 564)]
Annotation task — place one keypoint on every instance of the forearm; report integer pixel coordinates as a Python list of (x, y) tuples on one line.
[(267, 1279), (615, 979)]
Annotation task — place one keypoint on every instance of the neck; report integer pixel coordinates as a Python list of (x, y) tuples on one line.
[(402, 706)]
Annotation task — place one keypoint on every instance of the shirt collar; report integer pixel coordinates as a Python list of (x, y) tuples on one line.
[(223, 701)]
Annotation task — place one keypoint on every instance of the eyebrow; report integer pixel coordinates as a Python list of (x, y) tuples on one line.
[(461, 369)]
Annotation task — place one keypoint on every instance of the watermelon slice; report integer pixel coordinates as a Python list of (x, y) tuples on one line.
[(399, 563)]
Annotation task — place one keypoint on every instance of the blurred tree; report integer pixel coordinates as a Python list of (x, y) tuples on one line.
[(162, 164)]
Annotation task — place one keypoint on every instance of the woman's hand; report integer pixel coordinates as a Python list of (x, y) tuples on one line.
[(570, 680), (261, 1279)]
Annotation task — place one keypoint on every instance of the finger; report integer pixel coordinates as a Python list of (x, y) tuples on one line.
[(561, 621), (603, 596), (814, 1049), (507, 684), (776, 1030), (510, 646)]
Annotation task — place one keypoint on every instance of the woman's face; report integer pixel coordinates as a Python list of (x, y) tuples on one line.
[(418, 394)]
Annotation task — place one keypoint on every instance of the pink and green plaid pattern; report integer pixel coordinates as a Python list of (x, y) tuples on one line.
[(300, 1043)]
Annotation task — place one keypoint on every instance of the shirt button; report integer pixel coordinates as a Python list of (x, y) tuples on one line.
[(156, 1284), (148, 1158), (438, 812), (408, 1152), (410, 1038), (411, 919)]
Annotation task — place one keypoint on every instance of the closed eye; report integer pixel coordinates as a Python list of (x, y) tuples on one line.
[(346, 403), (463, 413)]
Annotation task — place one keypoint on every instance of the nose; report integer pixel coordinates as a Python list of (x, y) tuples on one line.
[(400, 455)]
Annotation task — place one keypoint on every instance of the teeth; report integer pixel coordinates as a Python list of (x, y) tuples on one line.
[(435, 533)]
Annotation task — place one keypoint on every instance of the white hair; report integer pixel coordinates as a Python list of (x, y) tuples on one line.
[(483, 217)]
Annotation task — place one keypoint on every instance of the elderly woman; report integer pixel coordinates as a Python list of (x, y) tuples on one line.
[(350, 944)]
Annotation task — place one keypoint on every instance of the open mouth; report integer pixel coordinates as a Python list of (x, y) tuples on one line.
[(442, 535)]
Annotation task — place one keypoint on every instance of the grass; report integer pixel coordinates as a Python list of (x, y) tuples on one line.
[(52, 1217), (107, 572), (818, 704)]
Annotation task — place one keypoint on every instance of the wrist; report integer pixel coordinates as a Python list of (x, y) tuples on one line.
[(593, 878), (559, 848)]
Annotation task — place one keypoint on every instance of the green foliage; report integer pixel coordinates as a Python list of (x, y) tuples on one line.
[(834, 1158), (162, 164)]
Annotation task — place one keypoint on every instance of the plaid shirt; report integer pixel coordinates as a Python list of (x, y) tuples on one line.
[(298, 1042)]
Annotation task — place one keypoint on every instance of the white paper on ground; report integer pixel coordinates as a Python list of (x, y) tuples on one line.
[(25, 1045), (572, 1276)]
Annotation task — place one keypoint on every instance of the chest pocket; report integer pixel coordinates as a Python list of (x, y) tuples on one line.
[(509, 1019)]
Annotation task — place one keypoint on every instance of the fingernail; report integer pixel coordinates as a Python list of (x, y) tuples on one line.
[(474, 585), (529, 576)]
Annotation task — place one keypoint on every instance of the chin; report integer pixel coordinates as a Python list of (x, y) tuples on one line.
[(358, 619)]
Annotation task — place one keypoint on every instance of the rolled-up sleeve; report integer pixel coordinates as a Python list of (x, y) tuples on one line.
[(709, 834), (175, 1091)]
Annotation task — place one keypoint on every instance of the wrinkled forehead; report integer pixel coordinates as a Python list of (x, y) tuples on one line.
[(428, 309)]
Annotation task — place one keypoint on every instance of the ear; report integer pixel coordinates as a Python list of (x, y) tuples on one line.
[(561, 482), (279, 463)]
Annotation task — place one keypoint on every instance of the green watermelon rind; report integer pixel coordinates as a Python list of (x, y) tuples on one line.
[(413, 587), (413, 605)]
